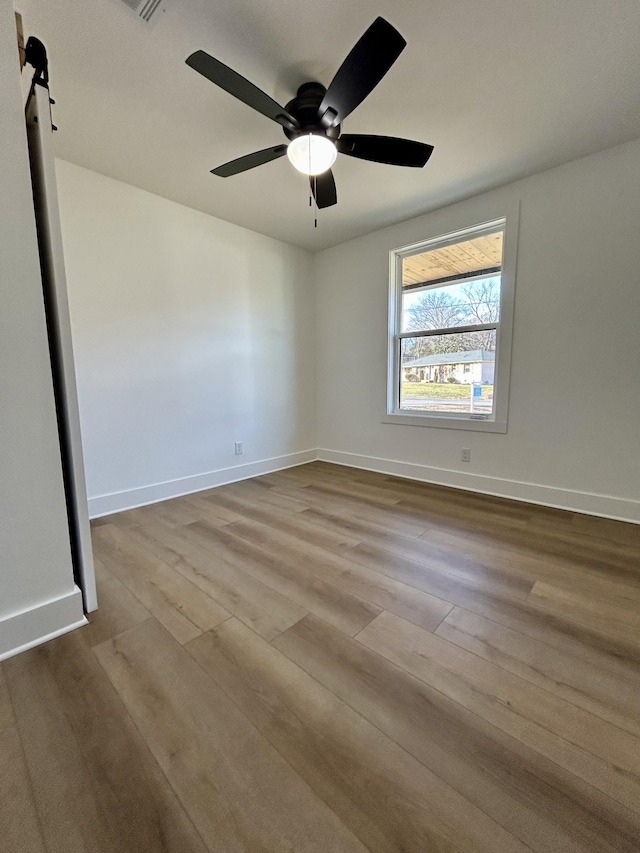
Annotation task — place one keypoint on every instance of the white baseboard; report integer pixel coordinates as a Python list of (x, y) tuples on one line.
[(589, 503), (144, 495), (29, 628)]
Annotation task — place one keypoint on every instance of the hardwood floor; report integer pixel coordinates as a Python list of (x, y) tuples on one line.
[(327, 659)]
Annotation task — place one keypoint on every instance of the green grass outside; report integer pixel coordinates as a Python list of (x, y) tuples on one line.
[(442, 390)]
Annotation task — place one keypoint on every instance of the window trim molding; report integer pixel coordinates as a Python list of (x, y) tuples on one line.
[(508, 216)]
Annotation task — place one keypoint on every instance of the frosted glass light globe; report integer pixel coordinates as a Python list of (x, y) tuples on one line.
[(312, 154)]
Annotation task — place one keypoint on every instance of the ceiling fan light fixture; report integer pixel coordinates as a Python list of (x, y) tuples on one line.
[(312, 154)]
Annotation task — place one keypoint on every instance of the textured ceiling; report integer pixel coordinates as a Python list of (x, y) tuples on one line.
[(502, 89)]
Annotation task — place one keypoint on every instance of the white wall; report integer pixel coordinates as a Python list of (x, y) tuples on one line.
[(569, 443), (37, 593), (189, 333)]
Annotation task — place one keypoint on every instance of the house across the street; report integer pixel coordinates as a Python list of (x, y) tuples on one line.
[(470, 367)]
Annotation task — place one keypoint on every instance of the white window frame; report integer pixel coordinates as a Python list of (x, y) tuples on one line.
[(498, 420)]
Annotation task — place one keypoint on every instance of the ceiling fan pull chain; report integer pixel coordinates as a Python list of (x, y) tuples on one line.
[(315, 195), (314, 189)]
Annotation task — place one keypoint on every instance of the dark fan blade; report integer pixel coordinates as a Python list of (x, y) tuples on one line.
[(249, 161), (363, 69), (240, 88), (323, 188), (385, 149)]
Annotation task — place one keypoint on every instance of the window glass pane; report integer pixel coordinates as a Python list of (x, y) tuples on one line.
[(448, 373), (464, 303)]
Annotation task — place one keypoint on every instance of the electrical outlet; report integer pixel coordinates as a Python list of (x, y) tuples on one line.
[(465, 454), (239, 450)]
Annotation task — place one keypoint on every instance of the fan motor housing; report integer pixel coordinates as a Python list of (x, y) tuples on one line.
[(305, 107)]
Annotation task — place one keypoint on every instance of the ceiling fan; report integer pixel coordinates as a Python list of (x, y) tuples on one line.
[(312, 120)]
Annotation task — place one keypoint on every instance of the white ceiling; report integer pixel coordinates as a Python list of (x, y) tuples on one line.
[(502, 88)]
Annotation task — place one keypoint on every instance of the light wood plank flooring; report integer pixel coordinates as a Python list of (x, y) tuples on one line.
[(326, 659)]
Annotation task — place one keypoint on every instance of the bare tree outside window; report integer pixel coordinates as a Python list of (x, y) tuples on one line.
[(455, 305)]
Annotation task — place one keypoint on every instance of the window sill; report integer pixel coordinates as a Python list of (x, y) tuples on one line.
[(402, 419)]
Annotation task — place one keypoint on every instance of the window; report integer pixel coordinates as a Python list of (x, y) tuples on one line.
[(451, 309)]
